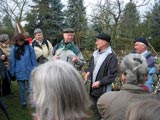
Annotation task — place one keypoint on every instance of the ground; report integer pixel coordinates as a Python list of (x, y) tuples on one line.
[(16, 112)]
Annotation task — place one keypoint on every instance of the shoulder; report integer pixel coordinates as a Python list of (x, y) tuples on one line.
[(75, 47), (149, 55), (108, 97)]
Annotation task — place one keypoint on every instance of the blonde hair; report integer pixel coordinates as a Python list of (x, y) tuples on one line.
[(59, 92)]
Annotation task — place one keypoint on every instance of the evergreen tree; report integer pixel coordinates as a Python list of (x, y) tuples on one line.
[(47, 15), (7, 27), (155, 26), (76, 19), (129, 21)]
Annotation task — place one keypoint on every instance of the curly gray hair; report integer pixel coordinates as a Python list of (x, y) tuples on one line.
[(135, 67), (59, 92), (4, 37), (37, 30)]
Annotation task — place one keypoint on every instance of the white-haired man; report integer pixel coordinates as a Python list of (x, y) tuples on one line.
[(140, 45), (42, 47)]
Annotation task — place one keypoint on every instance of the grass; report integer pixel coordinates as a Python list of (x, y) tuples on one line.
[(16, 112)]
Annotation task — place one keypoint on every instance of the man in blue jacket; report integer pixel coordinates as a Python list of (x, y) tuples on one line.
[(140, 45)]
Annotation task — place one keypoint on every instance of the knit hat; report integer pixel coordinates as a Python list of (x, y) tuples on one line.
[(142, 40), (104, 36), (68, 30), (4, 37), (38, 30)]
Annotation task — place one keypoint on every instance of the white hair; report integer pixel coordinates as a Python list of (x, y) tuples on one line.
[(59, 92), (135, 67)]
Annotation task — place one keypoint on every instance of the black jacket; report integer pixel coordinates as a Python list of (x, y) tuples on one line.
[(106, 74)]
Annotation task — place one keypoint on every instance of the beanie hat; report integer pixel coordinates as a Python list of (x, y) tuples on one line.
[(68, 30), (38, 30), (104, 36), (142, 40), (4, 37)]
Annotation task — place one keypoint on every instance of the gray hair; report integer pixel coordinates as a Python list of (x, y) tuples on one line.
[(135, 67), (38, 30), (59, 92), (4, 37)]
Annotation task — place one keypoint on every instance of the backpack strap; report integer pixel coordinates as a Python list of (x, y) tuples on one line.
[(35, 43), (46, 42), (55, 48)]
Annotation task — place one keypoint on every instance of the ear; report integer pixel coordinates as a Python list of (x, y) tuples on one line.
[(124, 77), (147, 77)]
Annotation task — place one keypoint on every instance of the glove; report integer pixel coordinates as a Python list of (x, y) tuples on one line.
[(13, 78)]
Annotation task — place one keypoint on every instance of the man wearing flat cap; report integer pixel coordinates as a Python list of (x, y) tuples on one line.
[(66, 50), (140, 46), (102, 69)]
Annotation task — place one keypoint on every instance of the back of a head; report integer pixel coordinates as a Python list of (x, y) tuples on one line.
[(148, 109), (58, 89), (135, 67)]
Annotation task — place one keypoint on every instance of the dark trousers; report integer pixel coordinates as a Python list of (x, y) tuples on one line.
[(3, 108), (6, 83), (96, 114)]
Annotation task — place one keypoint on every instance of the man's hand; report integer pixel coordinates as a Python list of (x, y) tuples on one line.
[(74, 59), (86, 75), (96, 84), (2, 57), (56, 57)]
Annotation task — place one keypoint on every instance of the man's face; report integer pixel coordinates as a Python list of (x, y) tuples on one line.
[(68, 37), (39, 36), (101, 44), (139, 47), (7, 42)]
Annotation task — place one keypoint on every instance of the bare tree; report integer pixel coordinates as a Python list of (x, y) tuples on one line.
[(107, 14), (15, 10)]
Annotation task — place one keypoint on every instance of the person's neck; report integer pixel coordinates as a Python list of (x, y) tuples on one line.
[(103, 48)]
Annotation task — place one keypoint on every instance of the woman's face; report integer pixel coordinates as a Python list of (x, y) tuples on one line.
[(20, 42)]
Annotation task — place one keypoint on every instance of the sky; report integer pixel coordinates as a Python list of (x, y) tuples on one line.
[(91, 3)]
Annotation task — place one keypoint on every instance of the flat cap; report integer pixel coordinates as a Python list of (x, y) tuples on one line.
[(68, 30), (104, 36), (142, 40)]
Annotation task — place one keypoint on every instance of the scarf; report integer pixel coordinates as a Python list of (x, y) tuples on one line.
[(99, 59), (68, 46)]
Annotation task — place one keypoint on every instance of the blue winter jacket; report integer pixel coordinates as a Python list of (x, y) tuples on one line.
[(22, 68)]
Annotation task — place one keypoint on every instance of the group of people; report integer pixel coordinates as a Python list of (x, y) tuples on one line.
[(57, 89)]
